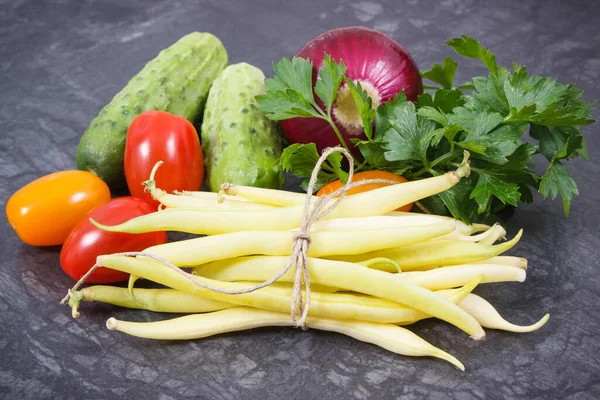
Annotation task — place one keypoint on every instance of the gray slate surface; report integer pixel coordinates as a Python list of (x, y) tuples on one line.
[(60, 61)]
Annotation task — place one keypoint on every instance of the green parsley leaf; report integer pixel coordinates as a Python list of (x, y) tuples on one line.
[(433, 114), (475, 123), (300, 159), (444, 100), (435, 136), (583, 151), (289, 94), (297, 75), (425, 99), (403, 141), (557, 142), (386, 111), (433, 204), (458, 202), (518, 170), (522, 92), (442, 74), (567, 113), (499, 143), (488, 186), (372, 153), (469, 47), (334, 160), (557, 180), (364, 105), (474, 147), (485, 136), (520, 159), (447, 100), (281, 105), (450, 132), (489, 95), (524, 114), (331, 76)]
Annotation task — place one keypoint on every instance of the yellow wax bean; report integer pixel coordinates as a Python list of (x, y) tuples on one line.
[(201, 203), (382, 221), (158, 300), (210, 248), (210, 222), (460, 226), (257, 268), (374, 202), (433, 254), (489, 236), (505, 260), (213, 196), (458, 275), (345, 275), (488, 317), (280, 198), (390, 337), (328, 305), (202, 200)]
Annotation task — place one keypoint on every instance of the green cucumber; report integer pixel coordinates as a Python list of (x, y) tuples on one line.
[(240, 145), (176, 81)]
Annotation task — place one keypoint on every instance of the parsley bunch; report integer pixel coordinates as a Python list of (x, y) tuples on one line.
[(489, 117)]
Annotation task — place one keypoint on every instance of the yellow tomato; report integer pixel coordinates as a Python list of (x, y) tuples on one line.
[(44, 211), (361, 176)]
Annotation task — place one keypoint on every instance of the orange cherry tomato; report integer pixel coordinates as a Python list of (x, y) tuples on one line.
[(364, 175), (44, 211)]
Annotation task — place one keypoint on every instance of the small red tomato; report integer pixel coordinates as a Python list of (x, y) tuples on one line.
[(86, 242), (159, 136)]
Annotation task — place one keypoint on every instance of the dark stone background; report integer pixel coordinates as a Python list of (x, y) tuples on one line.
[(60, 61)]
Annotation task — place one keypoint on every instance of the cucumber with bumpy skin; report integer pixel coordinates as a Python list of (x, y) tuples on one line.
[(240, 145), (176, 81)]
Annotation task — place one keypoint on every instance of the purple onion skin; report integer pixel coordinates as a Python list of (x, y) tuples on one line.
[(370, 57)]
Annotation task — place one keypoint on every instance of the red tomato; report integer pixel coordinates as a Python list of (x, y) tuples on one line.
[(86, 242), (159, 136)]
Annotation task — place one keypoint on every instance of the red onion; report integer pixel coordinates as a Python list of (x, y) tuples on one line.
[(381, 65)]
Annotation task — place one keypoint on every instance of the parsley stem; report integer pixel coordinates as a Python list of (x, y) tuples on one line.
[(319, 110), (337, 131), (360, 166), (325, 166), (442, 159)]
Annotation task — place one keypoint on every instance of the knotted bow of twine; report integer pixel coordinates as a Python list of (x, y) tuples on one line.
[(301, 243)]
